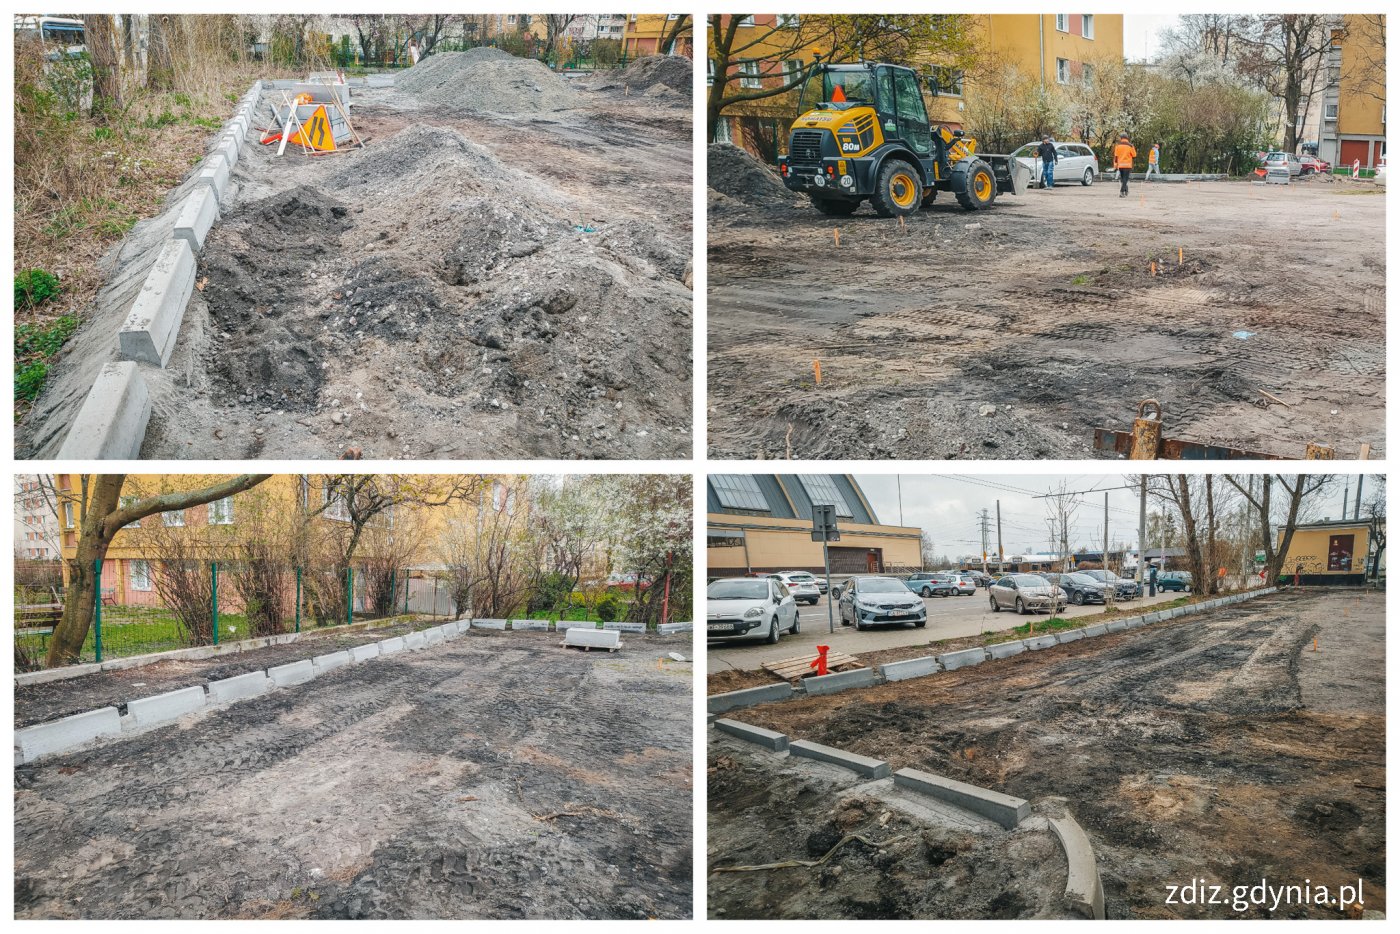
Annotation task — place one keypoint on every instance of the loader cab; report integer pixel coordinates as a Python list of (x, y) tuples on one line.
[(891, 90)]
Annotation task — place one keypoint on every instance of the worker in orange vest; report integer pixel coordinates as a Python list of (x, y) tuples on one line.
[(1123, 156)]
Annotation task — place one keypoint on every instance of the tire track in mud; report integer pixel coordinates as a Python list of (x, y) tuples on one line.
[(461, 781)]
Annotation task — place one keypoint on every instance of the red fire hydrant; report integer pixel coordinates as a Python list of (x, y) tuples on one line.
[(819, 662)]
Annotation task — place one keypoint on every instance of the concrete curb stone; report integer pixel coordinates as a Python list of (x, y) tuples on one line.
[(292, 673), (840, 681), (964, 659), (162, 708), (67, 733), (778, 742), (1006, 810), (909, 668), (330, 662), (111, 424), (863, 765), (749, 697), (239, 687), (1000, 650)]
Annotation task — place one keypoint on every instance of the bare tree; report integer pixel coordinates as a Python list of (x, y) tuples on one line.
[(675, 30), (1284, 54), (100, 38), (1285, 513)]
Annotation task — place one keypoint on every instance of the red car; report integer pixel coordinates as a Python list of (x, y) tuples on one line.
[(1313, 164)]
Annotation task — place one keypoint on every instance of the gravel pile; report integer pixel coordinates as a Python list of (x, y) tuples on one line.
[(655, 76), (487, 81), (737, 175)]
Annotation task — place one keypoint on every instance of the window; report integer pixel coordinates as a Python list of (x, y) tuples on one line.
[(1062, 22), (127, 501), (739, 491), (1088, 25), (792, 70), (1062, 70), (140, 575), (722, 131), (1329, 112), (710, 73), (788, 21), (724, 538), (822, 491), (1088, 75), (173, 519), (68, 515), (950, 81), (749, 76), (747, 21), (1339, 551), (221, 512), (336, 507)]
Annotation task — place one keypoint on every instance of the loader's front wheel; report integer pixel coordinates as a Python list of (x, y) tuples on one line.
[(834, 207), (975, 185), (898, 190)]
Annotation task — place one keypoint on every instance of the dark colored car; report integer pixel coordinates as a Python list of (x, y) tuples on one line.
[(1174, 580), (1123, 589), (1079, 588)]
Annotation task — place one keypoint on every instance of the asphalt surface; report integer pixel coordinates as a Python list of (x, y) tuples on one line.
[(495, 776), (948, 618)]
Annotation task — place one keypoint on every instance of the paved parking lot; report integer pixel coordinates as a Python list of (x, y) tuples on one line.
[(948, 618)]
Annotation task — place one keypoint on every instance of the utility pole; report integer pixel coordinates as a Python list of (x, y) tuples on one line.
[(1356, 515), (899, 491), (1001, 555), (984, 521), (1142, 529), (1108, 589)]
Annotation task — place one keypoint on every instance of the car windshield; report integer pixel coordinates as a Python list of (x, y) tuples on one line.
[(1030, 580), (1026, 151), (881, 585), (738, 590), (1080, 579), (856, 86), (801, 578)]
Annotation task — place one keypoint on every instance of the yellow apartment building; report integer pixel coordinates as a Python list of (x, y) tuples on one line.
[(645, 31), (1332, 552), (1353, 100)]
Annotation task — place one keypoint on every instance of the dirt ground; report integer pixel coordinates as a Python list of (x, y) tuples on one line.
[(1223, 748), (1045, 308), (497, 776), (36, 703), (468, 285)]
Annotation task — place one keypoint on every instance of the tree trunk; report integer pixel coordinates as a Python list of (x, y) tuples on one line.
[(1193, 539), (101, 39), (1212, 554), (160, 62)]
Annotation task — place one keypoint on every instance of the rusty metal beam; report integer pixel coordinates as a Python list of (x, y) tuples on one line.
[(1121, 442)]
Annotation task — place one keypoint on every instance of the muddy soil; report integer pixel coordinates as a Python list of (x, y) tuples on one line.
[(765, 809), (36, 703), (1016, 331), (498, 776), (468, 285), (1223, 749)]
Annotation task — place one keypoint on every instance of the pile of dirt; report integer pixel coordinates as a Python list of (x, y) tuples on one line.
[(739, 176), (464, 289), (661, 76), (487, 81)]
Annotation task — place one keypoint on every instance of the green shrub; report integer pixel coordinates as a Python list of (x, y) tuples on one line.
[(33, 287), (29, 379), (609, 609)]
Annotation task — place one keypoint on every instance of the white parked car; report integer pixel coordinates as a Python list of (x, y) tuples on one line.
[(801, 584), (749, 608), (1277, 158), (1077, 163), (878, 601)]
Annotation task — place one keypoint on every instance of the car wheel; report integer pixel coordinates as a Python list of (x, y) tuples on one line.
[(860, 625), (996, 607), (926, 592), (772, 631), (796, 624), (1088, 178), (898, 190), (1020, 607), (1078, 598)]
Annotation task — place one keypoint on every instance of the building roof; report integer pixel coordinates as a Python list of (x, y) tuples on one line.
[(787, 496)]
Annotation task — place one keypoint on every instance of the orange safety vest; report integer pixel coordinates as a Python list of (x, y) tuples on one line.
[(1123, 155)]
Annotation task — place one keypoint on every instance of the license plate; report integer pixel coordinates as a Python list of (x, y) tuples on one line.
[(899, 613), (721, 627)]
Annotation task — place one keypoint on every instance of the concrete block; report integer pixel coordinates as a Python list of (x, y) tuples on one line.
[(1097, 629), (862, 765), (1135, 622), (1036, 643), (1069, 635), (778, 742), (1006, 649), (570, 624), (666, 629), (237, 688), (967, 657), (390, 646), (840, 681), (68, 733), (593, 639), (111, 425), (330, 662), (1118, 625), (1006, 810), (362, 652), (55, 674), (488, 624), (434, 636), (1084, 888), (1153, 617), (162, 708), (530, 624), (214, 172), (197, 215), (415, 640), (227, 149), (294, 673), (909, 668), (148, 336), (733, 700), (626, 627)]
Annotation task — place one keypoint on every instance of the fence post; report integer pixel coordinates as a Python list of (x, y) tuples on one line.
[(298, 615), (214, 580), (97, 608), (393, 591), (349, 595)]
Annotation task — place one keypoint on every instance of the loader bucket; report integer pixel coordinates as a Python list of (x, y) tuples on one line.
[(1013, 177)]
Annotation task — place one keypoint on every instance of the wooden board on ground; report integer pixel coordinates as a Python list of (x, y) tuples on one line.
[(795, 669)]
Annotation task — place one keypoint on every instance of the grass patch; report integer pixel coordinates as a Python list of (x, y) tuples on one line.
[(35, 346), (1081, 279)]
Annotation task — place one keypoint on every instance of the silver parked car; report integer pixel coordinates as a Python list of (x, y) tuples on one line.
[(1026, 593), (801, 584), (1295, 165), (1077, 163), (750, 608), (879, 601)]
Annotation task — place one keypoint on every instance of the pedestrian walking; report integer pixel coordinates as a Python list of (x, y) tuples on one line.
[(1152, 159), (1048, 158), (1123, 156)]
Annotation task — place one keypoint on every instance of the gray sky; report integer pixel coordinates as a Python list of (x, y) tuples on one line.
[(947, 507), (1140, 34)]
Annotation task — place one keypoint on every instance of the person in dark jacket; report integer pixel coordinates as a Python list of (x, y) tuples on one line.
[(1048, 158)]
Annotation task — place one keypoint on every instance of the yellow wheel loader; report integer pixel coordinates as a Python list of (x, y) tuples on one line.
[(864, 135)]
